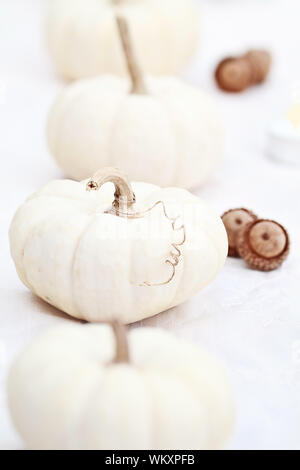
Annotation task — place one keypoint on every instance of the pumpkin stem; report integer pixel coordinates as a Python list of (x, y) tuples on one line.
[(124, 195), (122, 350), (137, 80)]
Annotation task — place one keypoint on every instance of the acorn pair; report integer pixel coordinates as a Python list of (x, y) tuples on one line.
[(236, 74), (264, 244)]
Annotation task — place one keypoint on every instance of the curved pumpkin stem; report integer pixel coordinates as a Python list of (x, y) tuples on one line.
[(124, 195)]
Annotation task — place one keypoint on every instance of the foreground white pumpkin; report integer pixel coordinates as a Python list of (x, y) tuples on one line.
[(163, 132), (71, 389), (88, 258), (83, 39)]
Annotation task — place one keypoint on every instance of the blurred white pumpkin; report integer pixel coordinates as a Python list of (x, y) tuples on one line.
[(83, 39), (150, 251), (162, 132), (80, 388)]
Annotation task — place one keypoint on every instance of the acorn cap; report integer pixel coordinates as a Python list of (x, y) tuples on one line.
[(263, 244), (235, 220)]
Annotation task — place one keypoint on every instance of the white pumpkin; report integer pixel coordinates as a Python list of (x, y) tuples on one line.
[(83, 39), (148, 253), (71, 390), (162, 132)]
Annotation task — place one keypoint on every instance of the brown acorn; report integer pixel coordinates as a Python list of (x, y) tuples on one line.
[(235, 220), (260, 63), (234, 74), (263, 244)]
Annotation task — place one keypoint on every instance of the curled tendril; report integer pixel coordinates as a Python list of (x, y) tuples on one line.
[(174, 255)]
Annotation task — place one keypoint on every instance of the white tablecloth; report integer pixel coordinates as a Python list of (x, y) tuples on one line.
[(248, 319)]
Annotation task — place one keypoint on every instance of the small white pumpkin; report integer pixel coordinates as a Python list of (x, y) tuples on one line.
[(83, 40), (151, 250), (80, 388), (163, 132)]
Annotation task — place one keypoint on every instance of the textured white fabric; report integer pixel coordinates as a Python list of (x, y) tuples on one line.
[(250, 320)]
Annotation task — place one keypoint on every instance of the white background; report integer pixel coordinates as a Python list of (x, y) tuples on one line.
[(250, 320)]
